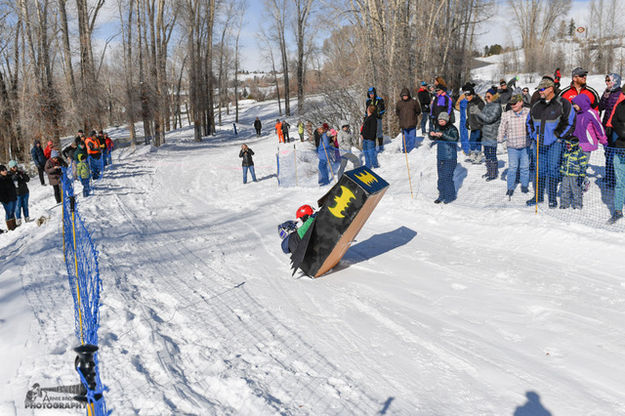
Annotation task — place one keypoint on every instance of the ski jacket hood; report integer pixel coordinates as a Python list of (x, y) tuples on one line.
[(405, 91), (583, 102)]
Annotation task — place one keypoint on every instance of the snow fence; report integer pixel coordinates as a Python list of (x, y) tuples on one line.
[(81, 261), (297, 165)]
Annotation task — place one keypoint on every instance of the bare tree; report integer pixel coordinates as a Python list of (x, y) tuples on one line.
[(536, 19), (279, 10), (303, 9)]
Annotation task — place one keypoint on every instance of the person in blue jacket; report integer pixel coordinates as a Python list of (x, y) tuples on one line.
[(446, 138), (323, 153), (378, 102), (550, 121), (39, 159)]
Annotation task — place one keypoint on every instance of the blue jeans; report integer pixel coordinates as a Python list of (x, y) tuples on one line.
[(610, 174), (619, 189), (323, 172), (108, 157), (409, 137), (22, 205), (446, 187), (475, 140), (86, 188), (518, 159), (549, 160), (9, 209), (424, 122), (95, 164), (380, 135), (371, 157), (251, 169)]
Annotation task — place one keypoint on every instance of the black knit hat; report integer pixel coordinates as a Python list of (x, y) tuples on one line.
[(2, 168)]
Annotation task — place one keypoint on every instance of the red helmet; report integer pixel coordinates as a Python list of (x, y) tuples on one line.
[(304, 210)]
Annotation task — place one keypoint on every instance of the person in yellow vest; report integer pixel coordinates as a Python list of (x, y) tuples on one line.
[(300, 130)]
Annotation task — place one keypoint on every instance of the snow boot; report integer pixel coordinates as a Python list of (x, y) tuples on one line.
[(18, 222), (615, 217), (491, 170), (552, 192), (540, 191), (11, 224)]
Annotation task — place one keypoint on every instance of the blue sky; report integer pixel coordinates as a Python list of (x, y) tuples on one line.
[(497, 30)]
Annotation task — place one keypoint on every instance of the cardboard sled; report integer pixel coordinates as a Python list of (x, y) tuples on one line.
[(343, 212)]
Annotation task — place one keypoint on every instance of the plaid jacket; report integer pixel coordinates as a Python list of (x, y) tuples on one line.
[(513, 129)]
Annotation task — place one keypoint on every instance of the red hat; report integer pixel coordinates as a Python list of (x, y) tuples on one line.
[(326, 126)]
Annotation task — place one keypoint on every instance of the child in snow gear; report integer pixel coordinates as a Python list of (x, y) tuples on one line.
[(53, 169), (257, 126), (446, 138), (108, 148), (82, 172), (588, 129), (292, 233), (8, 197), (20, 178), (248, 164), (39, 159), (573, 170), (346, 141)]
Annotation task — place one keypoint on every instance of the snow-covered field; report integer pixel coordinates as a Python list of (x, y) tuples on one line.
[(434, 310)]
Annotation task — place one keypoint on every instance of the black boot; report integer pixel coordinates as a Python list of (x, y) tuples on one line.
[(491, 170), (552, 192), (539, 191)]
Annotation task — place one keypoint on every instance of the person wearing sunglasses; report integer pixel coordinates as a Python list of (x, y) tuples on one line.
[(550, 122), (578, 86)]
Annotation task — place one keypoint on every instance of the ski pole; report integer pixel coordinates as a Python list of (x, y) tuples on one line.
[(403, 135)]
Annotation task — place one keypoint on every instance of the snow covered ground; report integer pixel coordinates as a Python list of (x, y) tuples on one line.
[(461, 309)]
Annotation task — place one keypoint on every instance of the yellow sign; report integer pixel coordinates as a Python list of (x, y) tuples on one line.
[(366, 177), (342, 202)]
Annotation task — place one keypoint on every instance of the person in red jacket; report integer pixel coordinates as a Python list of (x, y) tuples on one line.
[(556, 77), (48, 149), (578, 86)]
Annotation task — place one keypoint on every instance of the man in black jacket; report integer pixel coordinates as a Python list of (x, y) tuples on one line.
[(368, 133), (257, 125), (424, 99)]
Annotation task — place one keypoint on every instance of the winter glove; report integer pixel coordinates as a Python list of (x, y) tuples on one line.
[(286, 228)]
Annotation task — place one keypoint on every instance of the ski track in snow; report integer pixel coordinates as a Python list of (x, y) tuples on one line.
[(433, 311)]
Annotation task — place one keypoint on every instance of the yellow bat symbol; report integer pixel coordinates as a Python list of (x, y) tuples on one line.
[(366, 178), (342, 202)]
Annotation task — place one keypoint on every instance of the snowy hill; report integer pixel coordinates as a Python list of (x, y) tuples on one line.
[(479, 307)]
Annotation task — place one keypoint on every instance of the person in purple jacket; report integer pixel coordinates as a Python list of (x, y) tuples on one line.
[(588, 129), (606, 104), (441, 103)]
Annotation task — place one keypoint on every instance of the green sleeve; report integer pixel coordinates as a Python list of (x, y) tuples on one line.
[(301, 231)]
